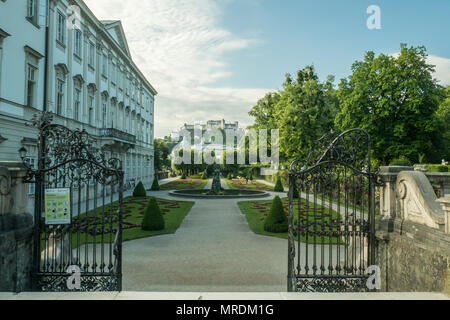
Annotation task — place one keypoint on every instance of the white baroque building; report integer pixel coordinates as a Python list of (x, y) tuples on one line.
[(92, 83)]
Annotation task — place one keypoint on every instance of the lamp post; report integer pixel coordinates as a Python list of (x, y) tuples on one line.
[(23, 153)]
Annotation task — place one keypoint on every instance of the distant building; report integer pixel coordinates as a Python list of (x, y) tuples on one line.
[(209, 144)]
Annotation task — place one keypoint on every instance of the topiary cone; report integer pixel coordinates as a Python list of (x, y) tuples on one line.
[(153, 219), (139, 190), (276, 221), (155, 185), (278, 186)]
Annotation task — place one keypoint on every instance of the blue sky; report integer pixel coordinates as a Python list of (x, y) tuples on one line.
[(329, 34), (213, 59)]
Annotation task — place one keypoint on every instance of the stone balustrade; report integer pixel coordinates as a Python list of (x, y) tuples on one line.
[(413, 230), (407, 194)]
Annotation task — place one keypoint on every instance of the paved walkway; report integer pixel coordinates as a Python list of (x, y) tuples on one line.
[(213, 251)]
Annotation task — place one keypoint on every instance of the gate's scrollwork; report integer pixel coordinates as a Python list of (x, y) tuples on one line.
[(92, 242), (331, 223)]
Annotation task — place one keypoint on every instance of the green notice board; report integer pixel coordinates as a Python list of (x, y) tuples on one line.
[(57, 206)]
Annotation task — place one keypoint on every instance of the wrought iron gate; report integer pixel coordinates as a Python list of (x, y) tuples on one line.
[(331, 222), (89, 244)]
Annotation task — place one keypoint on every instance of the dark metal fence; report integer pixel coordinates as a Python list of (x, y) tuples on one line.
[(331, 222), (90, 240)]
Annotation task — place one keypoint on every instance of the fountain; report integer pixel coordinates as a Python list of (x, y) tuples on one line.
[(217, 192)]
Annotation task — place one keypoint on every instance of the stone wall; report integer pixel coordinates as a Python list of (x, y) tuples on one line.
[(16, 230), (412, 242), (412, 257)]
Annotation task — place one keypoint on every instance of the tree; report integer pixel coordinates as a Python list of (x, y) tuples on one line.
[(161, 154), (276, 221), (395, 100), (278, 185), (443, 114), (264, 112), (305, 112), (153, 219), (139, 190), (155, 184)]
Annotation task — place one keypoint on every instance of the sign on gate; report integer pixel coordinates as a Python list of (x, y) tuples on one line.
[(57, 206)]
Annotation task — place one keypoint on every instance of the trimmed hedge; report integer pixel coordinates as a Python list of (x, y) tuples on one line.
[(276, 221), (438, 168), (402, 161), (153, 219), (278, 186), (155, 185), (183, 176), (204, 176), (229, 176), (139, 190)]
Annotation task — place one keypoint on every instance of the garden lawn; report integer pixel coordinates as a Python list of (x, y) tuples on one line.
[(257, 211), (241, 184), (196, 176), (90, 224), (190, 184)]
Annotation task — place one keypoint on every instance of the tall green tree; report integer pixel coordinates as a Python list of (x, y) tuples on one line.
[(443, 114), (395, 99), (161, 157), (304, 112), (264, 112)]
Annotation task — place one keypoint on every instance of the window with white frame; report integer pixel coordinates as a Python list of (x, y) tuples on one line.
[(91, 100), (61, 32), (32, 7), (105, 65), (31, 84), (104, 107), (76, 99), (60, 90), (78, 42), (113, 73), (31, 185), (91, 54), (120, 80), (113, 113), (59, 97), (120, 117)]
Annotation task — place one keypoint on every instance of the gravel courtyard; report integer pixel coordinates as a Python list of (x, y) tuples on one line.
[(213, 250)]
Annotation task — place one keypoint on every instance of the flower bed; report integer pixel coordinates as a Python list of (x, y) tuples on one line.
[(257, 211), (102, 223), (185, 184), (242, 184)]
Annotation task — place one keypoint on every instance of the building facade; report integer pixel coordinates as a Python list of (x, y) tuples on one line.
[(92, 82)]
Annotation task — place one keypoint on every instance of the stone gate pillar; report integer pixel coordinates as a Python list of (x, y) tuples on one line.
[(16, 229)]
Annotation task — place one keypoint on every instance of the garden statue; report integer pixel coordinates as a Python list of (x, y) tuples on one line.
[(216, 186)]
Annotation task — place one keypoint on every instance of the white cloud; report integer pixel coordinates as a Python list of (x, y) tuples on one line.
[(179, 47), (442, 68)]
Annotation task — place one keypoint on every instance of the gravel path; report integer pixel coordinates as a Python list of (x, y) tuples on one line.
[(213, 250)]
